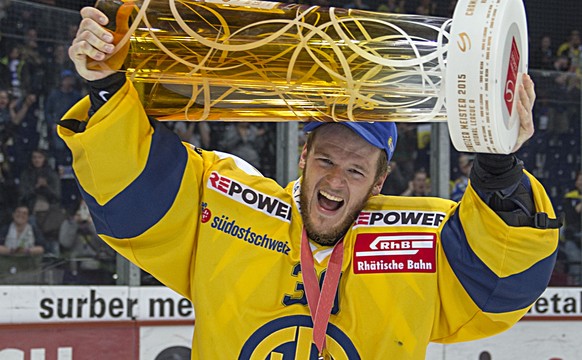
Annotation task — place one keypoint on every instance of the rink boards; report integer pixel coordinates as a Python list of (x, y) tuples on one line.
[(66, 323)]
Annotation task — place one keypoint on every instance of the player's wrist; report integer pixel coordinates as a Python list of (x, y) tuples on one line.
[(496, 172), (100, 91)]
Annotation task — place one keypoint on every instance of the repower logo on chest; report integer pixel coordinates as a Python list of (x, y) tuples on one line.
[(395, 253), (399, 218), (250, 197)]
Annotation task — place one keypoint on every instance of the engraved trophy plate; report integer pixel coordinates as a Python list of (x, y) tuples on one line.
[(486, 58)]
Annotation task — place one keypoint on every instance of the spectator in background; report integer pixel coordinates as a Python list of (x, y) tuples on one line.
[(5, 116), (23, 133), (568, 83), (4, 4), (423, 138), (460, 185), (21, 249), (21, 237), (39, 183), (90, 260), (572, 49), (23, 17), (426, 8), (244, 140), (18, 73), (562, 63), (567, 80), (10, 117), (322, 3), (18, 110), (543, 56), (57, 103), (40, 189), (562, 276), (572, 233), (397, 183), (357, 4), (419, 185), (5, 75), (406, 151), (392, 6), (192, 132), (8, 189), (58, 63), (572, 206), (34, 60)]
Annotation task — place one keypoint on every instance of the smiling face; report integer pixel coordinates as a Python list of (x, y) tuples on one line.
[(20, 216), (339, 175)]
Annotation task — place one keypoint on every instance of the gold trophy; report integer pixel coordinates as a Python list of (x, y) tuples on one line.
[(248, 60)]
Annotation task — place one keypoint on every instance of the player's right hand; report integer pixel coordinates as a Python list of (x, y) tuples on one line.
[(93, 43)]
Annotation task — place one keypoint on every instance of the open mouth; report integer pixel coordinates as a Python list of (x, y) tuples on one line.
[(328, 201)]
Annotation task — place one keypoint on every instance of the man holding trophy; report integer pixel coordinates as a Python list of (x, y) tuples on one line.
[(325, 268)]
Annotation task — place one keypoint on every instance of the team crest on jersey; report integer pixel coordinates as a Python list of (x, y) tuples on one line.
[(395, 253), (250, 197), (289, 338)]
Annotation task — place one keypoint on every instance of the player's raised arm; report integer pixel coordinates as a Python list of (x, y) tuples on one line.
[(500, 242), (128, 166)]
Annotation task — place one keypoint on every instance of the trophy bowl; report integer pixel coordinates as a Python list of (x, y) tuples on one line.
[(247, 60)]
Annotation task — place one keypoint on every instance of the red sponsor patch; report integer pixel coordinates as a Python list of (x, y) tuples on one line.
[(394, 253), (511, 81), (206, 215)]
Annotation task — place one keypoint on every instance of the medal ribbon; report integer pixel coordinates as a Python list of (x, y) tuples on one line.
[(320, 303)]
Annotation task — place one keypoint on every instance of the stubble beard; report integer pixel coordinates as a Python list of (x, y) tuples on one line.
[(337, 232)]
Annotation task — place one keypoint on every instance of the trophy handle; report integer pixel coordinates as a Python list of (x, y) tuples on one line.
[(487, 55), (119, 14)]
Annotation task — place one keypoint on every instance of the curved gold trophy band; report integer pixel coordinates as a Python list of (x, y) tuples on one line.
[(266, 61), (248, 60)]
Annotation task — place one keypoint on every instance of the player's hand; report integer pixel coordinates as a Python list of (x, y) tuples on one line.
[(525, 104), (92, 43)]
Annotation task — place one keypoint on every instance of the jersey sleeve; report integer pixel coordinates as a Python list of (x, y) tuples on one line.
[(490, 273), (141, 184)]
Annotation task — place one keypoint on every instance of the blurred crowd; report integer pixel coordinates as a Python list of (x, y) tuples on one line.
[(45, 224)]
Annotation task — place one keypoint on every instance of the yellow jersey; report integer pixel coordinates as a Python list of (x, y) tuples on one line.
[(209, 226)]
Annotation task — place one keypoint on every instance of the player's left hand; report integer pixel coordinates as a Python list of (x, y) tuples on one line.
[(525, 104)]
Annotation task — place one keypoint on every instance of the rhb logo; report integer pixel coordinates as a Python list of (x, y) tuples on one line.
[(250, 197), (395, 252)]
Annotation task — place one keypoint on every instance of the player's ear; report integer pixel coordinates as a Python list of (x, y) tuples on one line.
[(303, 157), (378, 185)]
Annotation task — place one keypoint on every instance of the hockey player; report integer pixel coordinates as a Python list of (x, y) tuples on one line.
[(325, 266)]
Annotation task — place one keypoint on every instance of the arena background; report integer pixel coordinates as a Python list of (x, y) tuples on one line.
[(552, 329)]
